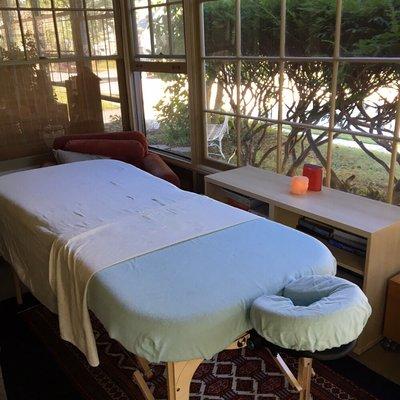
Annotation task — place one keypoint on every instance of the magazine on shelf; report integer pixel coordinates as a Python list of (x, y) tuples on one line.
[(342, 240), (347, 248), (349, 238), (241, 201), (316, 228)]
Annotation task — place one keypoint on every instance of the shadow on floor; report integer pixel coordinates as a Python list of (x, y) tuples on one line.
[(29, 371)]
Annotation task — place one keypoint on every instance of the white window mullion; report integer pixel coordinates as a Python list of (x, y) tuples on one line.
[(193, 39), (238, 84), (335, 72), (395, 149), (151, 27), (282, 52), (21, 28), (170, 43), (56, 29)]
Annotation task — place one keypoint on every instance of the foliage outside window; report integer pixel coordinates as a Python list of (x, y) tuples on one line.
[(283, 86), (58, 72), (160, 71)]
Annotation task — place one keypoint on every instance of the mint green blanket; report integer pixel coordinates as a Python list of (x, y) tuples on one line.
[(191, 300)]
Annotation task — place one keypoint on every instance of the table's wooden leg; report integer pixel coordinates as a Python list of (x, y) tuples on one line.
[(138, 378), (145, 367), (304, 377), (287, 372), (18, 288), (180, 375)]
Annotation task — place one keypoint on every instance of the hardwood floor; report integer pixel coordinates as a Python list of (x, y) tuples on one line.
[(383, 362)]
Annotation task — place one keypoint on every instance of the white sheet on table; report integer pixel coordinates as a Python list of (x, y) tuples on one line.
[(38, 206), (93, 215)]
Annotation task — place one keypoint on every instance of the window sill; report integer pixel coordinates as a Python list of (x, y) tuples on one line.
[(184, 162)]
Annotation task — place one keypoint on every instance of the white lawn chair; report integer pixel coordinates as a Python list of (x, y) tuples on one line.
[(216, 133)]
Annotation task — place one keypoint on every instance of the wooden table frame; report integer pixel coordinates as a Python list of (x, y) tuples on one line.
[(180, 373)]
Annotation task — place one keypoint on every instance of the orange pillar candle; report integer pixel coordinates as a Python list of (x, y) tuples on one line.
[(299, 185)]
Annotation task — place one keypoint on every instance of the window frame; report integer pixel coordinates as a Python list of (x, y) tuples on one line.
[(194, 67), (336, 60), (118, 57), (153, 63)]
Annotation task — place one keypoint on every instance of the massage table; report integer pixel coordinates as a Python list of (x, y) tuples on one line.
[(170, 274)]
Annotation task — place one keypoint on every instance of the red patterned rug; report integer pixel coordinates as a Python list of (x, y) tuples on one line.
[(231, 375)]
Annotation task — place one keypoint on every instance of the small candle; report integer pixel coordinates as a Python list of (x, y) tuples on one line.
[(299, 185)]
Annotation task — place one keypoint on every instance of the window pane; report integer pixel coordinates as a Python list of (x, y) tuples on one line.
[(302, 146), (72, 34), (112, 116), (166, 111), (112, 73), (258, 143), (39, 33), (99, 4), (35, 3), (366, 97), (89, 112), (259, 89), (68, 4), (159, 31), (177, 30), (160, 28), (221, 138), (139, 3), (360, 166), (219, 27), (310, 28), (102, 33), (84, 89), (370, 28), (260, 27), (221, 86), (141, 20), (41, 102), (11, 47), (8, 3), (307, 92), (106, 70), (28, 111)]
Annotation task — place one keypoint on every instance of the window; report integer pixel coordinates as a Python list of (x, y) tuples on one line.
[(288, 82), (273, 83), (160, 74), (59, 72)]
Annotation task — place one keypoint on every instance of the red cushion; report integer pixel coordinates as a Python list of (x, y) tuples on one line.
[(156, 166), (130, 151), (60, 142)]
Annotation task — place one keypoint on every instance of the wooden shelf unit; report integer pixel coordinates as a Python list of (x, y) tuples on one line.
[(378, 222)]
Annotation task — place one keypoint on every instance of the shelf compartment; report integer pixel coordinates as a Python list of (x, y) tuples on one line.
[(347, 260)]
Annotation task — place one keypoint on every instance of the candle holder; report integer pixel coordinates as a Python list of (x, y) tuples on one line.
[(299, 185)]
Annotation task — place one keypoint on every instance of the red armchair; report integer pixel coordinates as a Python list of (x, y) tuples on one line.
[(130, 147)]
